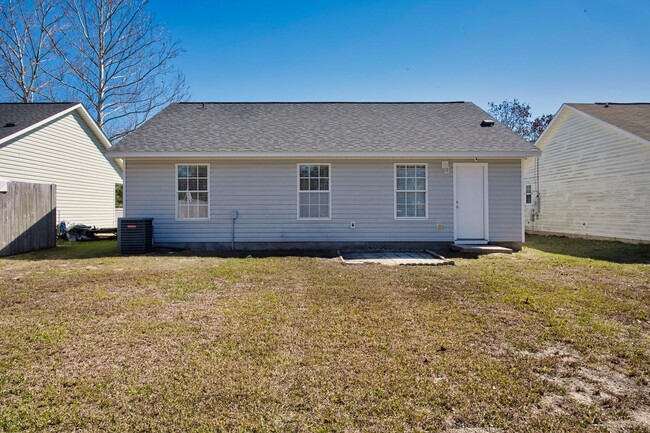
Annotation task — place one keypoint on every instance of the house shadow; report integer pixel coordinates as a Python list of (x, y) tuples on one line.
[(610, 251), (39, 235), (65, 250), (323, 253), (242, 254), (102, 248)]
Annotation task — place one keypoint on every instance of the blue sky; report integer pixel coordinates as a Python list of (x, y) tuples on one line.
[(543, 52)]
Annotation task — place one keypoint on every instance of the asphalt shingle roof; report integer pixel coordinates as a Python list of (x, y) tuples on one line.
[(321, 127), (633, 118), (26, 115)]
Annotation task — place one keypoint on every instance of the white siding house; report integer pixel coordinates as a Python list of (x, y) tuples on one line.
[(60, 144), (593, 176), (324, 175)]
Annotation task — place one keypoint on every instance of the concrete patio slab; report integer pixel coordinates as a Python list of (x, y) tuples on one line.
[(395, 258)]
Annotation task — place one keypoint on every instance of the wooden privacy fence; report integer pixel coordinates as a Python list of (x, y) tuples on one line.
[(27, 217)]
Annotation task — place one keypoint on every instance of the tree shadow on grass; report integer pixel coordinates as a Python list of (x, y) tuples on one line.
[(610, 251)]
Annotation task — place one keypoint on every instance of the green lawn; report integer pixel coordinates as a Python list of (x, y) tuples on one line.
[(555, 338)]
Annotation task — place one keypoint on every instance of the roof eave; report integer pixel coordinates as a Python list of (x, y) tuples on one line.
[(87, 118), (29, 128), (334, 155)]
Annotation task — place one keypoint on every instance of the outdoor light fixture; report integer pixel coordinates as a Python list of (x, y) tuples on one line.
[(445, 166)]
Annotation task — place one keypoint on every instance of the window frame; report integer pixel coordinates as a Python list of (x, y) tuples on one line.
[(329, 191), (177, 191), (528, 196), (426, 192)]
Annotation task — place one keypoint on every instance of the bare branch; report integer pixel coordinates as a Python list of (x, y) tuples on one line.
[(27, 58), (119, 62), (517, 116)]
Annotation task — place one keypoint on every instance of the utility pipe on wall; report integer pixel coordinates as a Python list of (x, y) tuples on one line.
[(235, 215)]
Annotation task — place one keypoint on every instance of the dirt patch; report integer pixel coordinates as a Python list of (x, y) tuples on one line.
[(603, 387), (638, 418), (475, 430), (565, 354)]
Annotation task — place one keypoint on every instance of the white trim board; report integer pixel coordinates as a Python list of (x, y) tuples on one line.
[(523, 202), (615, 128), (176, 192), (326, 155), (298, 217), (568, 108), (426, 192), (83, 113)]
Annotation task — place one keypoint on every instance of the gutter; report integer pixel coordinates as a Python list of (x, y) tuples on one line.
[(337, 155)]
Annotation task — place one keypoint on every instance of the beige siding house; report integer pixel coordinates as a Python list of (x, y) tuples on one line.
[(61, 144), (593, 176), (325, 175)]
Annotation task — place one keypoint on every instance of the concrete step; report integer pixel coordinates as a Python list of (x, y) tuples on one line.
[(480, 249)]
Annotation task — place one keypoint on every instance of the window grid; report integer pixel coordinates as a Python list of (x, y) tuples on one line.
[(192, 192), (314, 191), (529, 194), (410, 191)]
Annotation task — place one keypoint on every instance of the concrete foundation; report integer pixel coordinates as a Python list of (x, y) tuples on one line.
[(305, 246)]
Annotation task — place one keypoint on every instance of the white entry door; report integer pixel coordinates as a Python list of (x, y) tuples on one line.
[(471, 204)]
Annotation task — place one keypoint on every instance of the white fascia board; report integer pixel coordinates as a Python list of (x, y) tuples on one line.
[(85, 115), (79, 108), (551, 124), (39, 124), (358, 155), (609, 125), (93, 126)]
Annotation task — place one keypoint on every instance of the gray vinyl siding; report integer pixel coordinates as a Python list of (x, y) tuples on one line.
[(65, 152), (594, 181), (265, 195), (505, 201)]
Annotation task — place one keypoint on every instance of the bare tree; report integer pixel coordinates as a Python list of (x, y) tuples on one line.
[(539, 125), (517, 116), (28, 63), (119, 62)]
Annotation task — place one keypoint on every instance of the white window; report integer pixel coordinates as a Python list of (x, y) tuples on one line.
[(410, 191), (529, 194), (314, 191), (192, 192)]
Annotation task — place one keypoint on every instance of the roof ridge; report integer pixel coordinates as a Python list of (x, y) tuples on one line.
[(608, 103)]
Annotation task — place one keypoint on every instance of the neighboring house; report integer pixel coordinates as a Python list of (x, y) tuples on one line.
[(325, 175), (593, 176), (60, 143)]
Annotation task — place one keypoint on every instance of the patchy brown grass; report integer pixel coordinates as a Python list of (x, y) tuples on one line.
[(555, 338)]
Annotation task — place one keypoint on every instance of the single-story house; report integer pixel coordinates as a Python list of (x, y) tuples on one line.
[(325, 175), (593, 177), (59, 143)]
